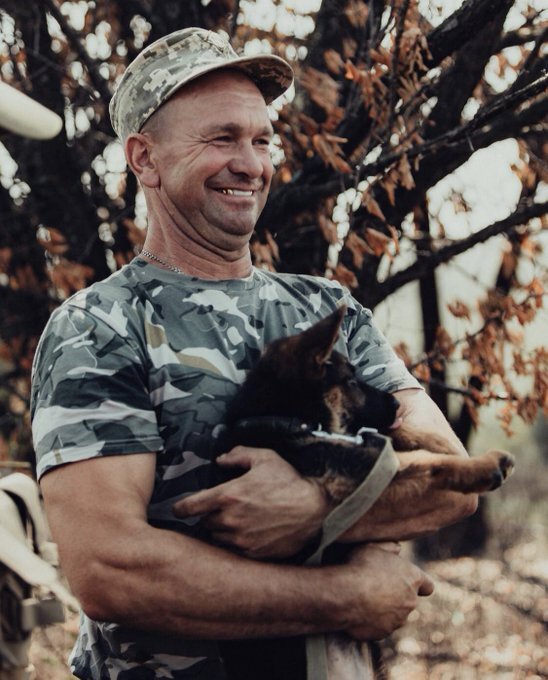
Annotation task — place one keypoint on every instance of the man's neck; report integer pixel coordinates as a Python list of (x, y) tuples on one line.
[(176, 251)]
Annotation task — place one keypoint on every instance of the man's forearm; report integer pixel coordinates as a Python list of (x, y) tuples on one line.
[(166, 582), (175, 584), (424, 426)]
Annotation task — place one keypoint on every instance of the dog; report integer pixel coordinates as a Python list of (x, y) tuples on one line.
[(303, 400)]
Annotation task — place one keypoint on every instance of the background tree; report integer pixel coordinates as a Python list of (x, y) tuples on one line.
[(388, 102)]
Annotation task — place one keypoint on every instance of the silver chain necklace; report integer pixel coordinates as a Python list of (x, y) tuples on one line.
[(151, 256)]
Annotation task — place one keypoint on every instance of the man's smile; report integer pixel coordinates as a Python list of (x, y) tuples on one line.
[(236, 192)]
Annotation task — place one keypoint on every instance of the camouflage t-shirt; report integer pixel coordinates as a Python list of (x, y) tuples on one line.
[(146, 361)]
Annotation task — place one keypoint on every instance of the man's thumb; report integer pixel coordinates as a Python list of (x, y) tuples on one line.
[(243, 456)]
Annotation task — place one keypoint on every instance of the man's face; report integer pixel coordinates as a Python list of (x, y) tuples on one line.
[(211, 145)]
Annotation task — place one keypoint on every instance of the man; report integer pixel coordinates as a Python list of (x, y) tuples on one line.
[(133, 374)]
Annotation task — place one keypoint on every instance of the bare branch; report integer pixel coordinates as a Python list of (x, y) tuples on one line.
[(92, 65), (427, 264), (522, 36), (460, 27), (293, 197)]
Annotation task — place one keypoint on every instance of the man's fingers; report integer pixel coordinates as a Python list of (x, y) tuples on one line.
[(389, 546), (198, 503), (244, 457)]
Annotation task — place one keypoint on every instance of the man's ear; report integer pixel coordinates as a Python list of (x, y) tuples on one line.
[(140, 159)]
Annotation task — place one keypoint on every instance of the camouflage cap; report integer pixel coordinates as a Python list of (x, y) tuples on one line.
[(170, 62)]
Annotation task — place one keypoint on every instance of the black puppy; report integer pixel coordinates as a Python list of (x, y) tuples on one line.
[(303, 400)]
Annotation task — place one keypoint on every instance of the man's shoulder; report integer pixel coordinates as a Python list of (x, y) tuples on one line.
[(119, 287), (304, 282)]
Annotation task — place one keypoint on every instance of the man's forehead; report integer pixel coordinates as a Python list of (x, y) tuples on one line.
[(219, 95), (235, 127)]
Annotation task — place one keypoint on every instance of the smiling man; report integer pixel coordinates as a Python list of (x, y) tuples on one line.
[(133, 375)]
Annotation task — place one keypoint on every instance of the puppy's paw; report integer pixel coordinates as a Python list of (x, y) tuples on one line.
[(503, 467), (479, 474)]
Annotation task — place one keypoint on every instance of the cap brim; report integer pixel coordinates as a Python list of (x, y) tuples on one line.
[(24, 116)]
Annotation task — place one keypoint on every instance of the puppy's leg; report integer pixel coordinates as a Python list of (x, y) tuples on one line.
[(466, 475)]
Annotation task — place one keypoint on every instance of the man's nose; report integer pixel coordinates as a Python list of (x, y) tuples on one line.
[(247, 160)]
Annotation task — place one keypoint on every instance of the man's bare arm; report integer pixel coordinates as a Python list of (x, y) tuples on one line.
[(126, 571)]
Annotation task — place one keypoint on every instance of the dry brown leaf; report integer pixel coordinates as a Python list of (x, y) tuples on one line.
[(356, 11), (135, 234), (345, 277), (333, 61), (328, 229), (372, 207), (322, 89), (377, 241), (536, 288), (405, 174), (444, 343), (459, 310), (309, 125), (52, 240), (352, 72), (358, 248), (70, 277), (472, 411), (509, 264), (389, 183), (422, 372), (381, 56), (5, 258), (395, 238), (402, 350), (330, 152)]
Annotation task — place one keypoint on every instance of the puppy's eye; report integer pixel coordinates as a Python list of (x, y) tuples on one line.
[(352, 382)]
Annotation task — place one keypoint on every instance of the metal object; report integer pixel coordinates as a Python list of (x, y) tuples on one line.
[(151, 256)]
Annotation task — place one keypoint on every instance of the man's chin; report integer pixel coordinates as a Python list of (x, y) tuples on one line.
[(237, 226)]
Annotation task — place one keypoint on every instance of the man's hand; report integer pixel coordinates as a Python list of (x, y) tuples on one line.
[(269, 512), (386, 591)]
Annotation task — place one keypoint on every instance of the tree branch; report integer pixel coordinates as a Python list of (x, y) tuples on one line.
[(522, 36), (424, 265), (459, 28), (92, 65), (293, 197)]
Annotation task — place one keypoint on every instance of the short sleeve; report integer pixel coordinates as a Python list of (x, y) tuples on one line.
[(90, 396), (371, 354)]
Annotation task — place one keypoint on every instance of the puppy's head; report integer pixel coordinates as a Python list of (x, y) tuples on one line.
[(302, 376)]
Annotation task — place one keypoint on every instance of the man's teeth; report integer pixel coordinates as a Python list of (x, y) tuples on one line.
[(236, 192)]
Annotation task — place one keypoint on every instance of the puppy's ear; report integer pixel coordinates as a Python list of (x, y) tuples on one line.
[(316, 343)]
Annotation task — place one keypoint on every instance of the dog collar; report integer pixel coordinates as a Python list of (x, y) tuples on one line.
[(357, 438), (297, 427)]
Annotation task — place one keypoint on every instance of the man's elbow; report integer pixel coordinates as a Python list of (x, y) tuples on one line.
[(99, 593)]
